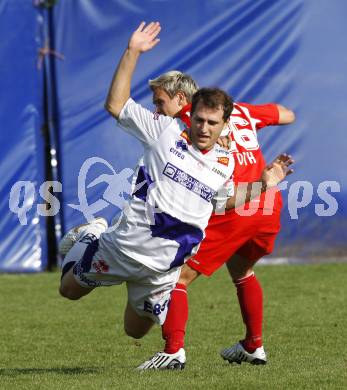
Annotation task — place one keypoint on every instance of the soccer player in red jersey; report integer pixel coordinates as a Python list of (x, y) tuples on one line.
[(238, 237)]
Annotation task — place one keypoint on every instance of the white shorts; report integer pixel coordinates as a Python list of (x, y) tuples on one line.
[(148, 291)]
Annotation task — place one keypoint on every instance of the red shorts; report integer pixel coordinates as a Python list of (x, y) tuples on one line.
[(248, 236)]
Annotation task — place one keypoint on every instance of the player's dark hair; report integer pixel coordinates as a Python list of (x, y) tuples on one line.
[(213, 98)]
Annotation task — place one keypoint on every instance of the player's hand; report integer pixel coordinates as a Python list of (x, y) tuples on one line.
[(224, 142), (144, 38), (277, 171)]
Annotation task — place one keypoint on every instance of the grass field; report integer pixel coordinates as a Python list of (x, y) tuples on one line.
[(50, 343)]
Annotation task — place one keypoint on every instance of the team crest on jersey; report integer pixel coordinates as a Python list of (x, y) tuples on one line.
[(181, 145), (185, 135), (223, 160)]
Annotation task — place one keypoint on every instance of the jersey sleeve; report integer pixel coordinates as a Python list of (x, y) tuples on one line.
[(142, 123), (264, 114)]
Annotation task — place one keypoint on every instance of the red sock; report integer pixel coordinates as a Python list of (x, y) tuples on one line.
[(250, 296), (174, 327)]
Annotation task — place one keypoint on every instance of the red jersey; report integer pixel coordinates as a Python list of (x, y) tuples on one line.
[(244, 123)]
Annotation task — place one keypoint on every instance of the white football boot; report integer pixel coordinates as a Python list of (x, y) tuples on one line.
[(96, 227), (237, 354), (165, 361)]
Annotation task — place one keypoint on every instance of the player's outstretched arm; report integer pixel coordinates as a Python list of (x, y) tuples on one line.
[(144, 38), (286, 116), (272, 175)]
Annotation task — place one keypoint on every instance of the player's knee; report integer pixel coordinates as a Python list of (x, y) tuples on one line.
[(136, 326), (241, 275), (240, 267), (68, 293), (65, 293), (134, 333)]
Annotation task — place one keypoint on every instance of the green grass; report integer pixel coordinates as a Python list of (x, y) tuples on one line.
[(47, 342)]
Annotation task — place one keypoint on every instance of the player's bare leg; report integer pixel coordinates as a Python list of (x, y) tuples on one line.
[(134, 325), (70, 289), (250, 297)]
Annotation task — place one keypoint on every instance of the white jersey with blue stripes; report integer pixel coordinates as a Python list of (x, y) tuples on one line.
[(163, 223)]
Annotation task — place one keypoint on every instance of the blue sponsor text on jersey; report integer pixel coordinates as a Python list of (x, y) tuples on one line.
[(179, 176)]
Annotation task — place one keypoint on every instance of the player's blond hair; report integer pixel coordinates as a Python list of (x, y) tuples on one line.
[(173, 82)]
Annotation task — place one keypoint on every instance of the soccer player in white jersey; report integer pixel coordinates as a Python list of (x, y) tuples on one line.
[(242, 238), (163, 223)]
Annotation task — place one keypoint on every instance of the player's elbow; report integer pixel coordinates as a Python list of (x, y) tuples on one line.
[(113, 109)]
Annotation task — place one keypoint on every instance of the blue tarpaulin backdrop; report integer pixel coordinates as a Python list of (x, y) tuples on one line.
[(289, 52), (23, 245)]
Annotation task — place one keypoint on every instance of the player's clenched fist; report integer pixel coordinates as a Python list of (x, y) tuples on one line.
[(144, 37)]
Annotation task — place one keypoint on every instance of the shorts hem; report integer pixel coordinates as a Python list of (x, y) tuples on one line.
[(197, 267)]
